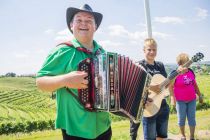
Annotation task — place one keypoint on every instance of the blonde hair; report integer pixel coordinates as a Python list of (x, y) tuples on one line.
[(182, 58), (149, 42)]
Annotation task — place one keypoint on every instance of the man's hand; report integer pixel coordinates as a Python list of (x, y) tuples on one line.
[(155, 88), (76, 79), (149, 101)]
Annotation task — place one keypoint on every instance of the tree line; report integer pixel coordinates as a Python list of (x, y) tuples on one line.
[(13, 74)]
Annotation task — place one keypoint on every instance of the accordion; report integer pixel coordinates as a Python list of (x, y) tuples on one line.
[(116, 84)]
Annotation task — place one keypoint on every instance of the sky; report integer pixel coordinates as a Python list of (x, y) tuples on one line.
[(30, 29)]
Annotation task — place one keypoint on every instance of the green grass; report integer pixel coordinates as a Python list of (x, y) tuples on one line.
[(204, 85), (21, 101), (17, 83), (120, 130)]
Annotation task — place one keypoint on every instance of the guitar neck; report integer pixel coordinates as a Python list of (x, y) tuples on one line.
[(174, 74)]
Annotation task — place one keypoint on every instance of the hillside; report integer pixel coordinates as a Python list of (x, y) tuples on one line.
[(21, 101), (23, 107), (203, 65)]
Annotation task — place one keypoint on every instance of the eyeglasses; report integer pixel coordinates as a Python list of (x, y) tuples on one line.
[(79, 21)]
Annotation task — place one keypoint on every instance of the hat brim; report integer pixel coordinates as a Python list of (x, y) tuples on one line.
[(71, 11)]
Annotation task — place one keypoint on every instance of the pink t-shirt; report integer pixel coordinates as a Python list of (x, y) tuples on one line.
[(184, 87)]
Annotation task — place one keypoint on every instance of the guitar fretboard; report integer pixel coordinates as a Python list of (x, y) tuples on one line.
[(174, 74)]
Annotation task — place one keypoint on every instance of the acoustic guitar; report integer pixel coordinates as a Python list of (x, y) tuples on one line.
[(158, 79)]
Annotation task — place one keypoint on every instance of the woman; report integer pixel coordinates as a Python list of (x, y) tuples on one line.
[(183, 95)]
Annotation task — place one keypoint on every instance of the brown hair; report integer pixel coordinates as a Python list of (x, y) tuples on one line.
[(182, 58)]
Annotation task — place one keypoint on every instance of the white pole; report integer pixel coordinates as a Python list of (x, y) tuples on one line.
[(148, 20)]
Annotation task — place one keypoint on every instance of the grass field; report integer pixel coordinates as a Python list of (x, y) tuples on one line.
[(204, 85), (21, 101), (121, 130)]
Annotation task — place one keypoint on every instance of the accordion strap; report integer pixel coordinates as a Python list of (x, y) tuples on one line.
[(69, 44), (73, 94), (76, 97), (82, 49)]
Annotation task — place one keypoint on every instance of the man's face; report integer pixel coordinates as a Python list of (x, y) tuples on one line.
[(150, 52), (83, 26)]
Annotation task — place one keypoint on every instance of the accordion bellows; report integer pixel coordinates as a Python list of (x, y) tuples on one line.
[(116, 84)]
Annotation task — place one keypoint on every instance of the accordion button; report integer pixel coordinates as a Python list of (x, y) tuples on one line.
[(87, 105), (88, 61)]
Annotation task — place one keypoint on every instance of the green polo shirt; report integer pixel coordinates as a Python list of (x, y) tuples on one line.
[(71, 116)]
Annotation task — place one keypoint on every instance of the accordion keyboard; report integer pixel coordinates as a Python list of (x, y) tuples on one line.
[(84, 94)]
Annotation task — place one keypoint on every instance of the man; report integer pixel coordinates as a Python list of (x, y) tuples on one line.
[(155, 127), (59, 73)]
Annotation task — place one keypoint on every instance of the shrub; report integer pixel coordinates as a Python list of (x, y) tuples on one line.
[(26, 127)]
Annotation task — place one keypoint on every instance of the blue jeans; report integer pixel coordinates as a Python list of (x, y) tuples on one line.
[(186, 110), (157, 125)]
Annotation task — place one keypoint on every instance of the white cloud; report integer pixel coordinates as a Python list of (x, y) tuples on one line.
[(29, 54), (110, 43), (162, 35), (64, 32), (41, 51), (120, 31), (202, 46), (63, 35), (99, 30), (49, 31), (201, 13), (62, 38), (21, 55), (138, 35), (113, 46), (142, 25), (167, 19)]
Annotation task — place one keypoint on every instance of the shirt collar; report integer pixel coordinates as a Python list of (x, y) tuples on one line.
[(145, 62), (79, 46)]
